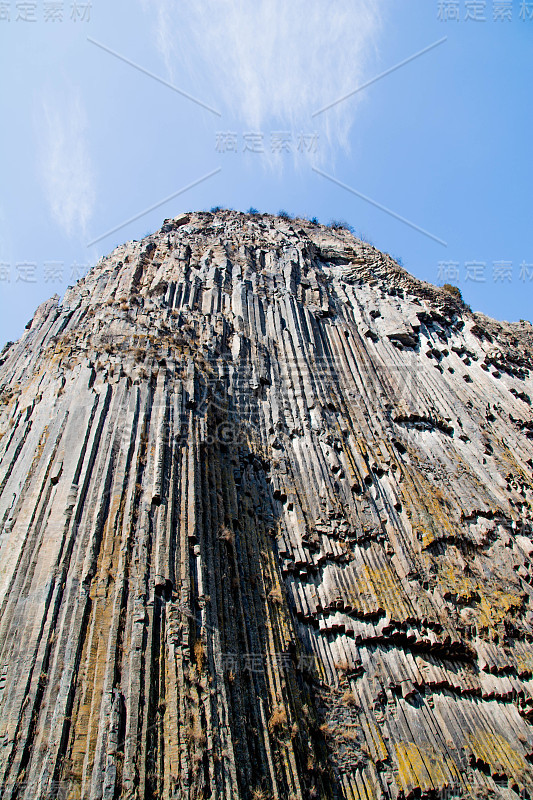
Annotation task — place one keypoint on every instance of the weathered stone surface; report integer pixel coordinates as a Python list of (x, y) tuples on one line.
[(265, 508)]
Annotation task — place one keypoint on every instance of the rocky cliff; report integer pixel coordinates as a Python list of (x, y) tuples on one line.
[(265, 528)]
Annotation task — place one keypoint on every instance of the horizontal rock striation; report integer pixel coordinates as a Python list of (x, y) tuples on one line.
[(265, 528)]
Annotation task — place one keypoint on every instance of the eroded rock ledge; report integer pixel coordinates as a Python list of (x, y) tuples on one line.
[(266, 528)]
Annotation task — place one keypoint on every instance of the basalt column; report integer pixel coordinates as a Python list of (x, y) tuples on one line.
[(266, 507)]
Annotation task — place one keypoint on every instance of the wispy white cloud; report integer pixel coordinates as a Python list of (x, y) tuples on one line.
[(271, 62), (65, 162)]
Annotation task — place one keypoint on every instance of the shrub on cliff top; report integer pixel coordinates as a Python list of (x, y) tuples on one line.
[(448, 287)]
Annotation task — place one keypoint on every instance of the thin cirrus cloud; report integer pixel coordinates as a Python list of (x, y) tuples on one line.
[(66, 168), (271, 63)]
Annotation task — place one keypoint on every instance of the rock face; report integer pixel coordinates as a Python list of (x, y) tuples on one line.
[(266, 507)]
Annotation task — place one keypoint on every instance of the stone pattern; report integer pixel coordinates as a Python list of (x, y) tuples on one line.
[(265, 509)]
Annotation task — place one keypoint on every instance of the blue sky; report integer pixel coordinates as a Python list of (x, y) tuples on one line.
[(90, 141)]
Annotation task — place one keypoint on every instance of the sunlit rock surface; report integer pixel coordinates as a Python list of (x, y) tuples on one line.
[(265, 528)]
